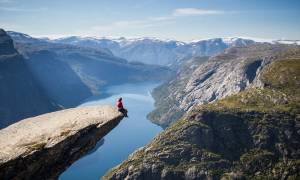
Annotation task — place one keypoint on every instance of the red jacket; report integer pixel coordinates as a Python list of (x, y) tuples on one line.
[(120, 105)]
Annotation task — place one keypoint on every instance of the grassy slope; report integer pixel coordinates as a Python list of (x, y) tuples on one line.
[(280, 94)]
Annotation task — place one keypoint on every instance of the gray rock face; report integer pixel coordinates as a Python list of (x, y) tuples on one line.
[(253, 134), (220, 78), (222, 75), (44, 146), (20, 94), (6, 44), (57, 79)]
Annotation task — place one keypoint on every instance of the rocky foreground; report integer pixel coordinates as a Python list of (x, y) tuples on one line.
[(254, 134), (44, 146)]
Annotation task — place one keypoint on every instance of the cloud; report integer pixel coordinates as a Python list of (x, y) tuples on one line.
[(195, 12), (121, 25), (9, 25), (162, 18), (16, 9), (131, 24), (156, 21)]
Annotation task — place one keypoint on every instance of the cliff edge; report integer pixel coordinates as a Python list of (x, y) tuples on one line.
[(43, 146), (203, 81)]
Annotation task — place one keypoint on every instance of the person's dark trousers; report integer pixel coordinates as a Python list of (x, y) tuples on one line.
[(124, 112)]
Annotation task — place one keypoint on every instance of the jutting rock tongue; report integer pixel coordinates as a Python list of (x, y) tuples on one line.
[(44, 146)]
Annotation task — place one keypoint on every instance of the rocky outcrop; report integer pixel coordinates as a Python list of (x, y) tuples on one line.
[(222, 75), (254, 134), (44, 146), (20, 94)]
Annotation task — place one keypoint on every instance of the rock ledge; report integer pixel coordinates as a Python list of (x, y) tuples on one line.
[(44, 146)]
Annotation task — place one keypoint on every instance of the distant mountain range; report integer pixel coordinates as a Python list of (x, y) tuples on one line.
[(93, 66), (156, 51), (36, 71), (153, 50)]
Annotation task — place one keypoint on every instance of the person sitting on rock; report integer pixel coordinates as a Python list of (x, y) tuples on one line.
[(121, 108)]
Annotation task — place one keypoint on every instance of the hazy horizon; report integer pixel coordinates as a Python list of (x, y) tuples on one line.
[(257, 39)]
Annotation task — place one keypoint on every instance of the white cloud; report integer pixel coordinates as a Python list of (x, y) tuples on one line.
[(131, 24), (121, 25), (156, 21), (16, 9), (195, 12), (162, 18)]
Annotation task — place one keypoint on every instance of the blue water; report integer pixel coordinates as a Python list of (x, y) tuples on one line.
[(131, 134)]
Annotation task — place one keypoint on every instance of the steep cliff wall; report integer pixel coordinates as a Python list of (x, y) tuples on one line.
[(20, 94), (254, 134), (226, 74)]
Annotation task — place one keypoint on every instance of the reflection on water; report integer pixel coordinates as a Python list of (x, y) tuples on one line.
[(131, 134)]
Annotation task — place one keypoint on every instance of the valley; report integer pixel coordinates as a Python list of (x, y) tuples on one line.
[(223, 108), (67, 75), (132, 133)]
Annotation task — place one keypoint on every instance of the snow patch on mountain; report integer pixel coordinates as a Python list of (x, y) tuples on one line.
[(151, 50)]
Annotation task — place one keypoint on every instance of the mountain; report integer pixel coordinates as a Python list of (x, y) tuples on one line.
[(24, 38), (21, 95), (253, 134), (145, 50), (57, 79), (156, 51), (165, 52), (21, 38), (228, 73), (70, 74)]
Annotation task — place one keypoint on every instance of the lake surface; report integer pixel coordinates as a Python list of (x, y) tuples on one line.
[(131, 134)]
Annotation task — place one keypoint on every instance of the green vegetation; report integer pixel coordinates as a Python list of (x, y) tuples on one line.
[(283, 75), (36, 146), (65, 133), (280, 94), (250, 135)]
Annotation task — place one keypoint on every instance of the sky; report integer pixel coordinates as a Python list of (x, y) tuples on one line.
[(168, 19)]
